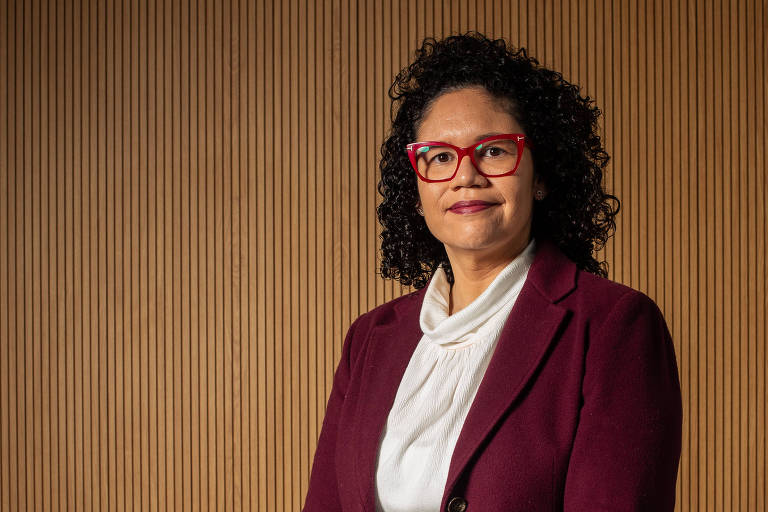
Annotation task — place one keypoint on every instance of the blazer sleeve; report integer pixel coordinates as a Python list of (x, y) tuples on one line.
[(627, 444), (323, 492)]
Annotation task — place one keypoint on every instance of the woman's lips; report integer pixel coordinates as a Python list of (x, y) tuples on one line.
[(464, 207)]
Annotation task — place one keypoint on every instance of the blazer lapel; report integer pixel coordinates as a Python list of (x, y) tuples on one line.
[(392, 345), (523, 343)]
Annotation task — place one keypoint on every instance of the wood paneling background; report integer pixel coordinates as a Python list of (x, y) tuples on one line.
[(187, 228)]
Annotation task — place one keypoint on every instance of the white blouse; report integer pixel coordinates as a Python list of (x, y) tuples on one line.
[(438, 387)]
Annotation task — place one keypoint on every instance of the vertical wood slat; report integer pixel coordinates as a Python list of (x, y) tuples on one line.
[(5, 334), (187, 228)]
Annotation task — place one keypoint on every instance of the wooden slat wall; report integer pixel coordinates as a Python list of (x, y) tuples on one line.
[(187, 228)]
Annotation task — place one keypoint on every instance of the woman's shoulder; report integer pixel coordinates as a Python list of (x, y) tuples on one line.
[(608, 302), (397, 316), (607, 289), (604, 288), (560, 280), (392, 310)]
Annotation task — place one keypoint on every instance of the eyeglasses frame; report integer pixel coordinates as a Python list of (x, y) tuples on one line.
[(469, 151)]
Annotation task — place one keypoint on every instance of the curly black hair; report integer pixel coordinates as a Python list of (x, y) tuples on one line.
[(568, 156)]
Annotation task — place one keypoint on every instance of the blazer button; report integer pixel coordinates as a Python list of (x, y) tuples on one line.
[(457, 504)]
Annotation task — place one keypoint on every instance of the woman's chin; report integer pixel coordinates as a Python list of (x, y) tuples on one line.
[(473, 244), (483, 242)]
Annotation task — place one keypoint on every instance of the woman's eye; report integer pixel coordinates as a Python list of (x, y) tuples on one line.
[(492, 151), (442, 158)]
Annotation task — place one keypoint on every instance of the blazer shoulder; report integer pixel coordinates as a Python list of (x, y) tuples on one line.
[(591, 284), (602, 298), (588, 283), (405, 307), (387, 312)]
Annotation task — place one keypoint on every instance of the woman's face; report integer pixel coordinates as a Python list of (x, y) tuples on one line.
[(499, 229)]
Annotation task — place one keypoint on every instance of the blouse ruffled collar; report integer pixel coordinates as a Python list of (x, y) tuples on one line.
[(466, 327)]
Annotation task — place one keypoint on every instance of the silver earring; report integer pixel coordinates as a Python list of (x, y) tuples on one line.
[(539, 195), (419, 210)]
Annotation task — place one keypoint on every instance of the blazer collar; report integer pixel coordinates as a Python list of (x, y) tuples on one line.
[(523, 343), (552, 273)]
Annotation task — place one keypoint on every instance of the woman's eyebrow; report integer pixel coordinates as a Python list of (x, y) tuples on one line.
[(448, 139), (486, 135), (476, 139)]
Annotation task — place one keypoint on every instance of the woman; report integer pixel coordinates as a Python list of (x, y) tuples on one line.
[(517, 377)]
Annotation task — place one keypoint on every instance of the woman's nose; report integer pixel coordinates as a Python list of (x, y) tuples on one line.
[(467, 174)]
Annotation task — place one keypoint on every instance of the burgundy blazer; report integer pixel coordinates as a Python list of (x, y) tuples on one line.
[(579, 409)]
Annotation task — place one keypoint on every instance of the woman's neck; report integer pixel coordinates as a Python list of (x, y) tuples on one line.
[(472, 275), (469, 284)]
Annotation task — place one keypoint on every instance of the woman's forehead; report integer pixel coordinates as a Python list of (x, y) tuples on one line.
[(467, 114)]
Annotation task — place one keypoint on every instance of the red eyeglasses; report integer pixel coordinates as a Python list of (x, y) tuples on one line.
[(493, 157)]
